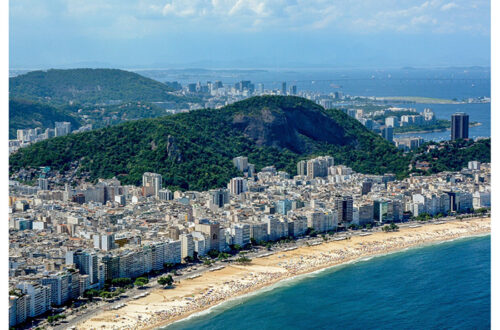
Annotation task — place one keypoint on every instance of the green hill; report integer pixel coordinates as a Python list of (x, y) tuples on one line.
[(194, 150), (89, 86), (453, 155), (27, 114)]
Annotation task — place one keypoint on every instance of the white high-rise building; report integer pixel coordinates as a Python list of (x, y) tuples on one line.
[(173, 252), (237, 186), (318, 167), (62, 128), (165, 195), (187, 245), (151, 184), (241, 163), (19, 309), (241, 233), (474, 165), (200, 243), (40, 297), (273, 231)]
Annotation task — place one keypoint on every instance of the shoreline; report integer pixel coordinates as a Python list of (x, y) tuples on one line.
[(200, 295), (299, 277), (434, 130)]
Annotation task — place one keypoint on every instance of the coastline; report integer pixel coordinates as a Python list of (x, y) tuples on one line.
[(192, 297), (433, 130)]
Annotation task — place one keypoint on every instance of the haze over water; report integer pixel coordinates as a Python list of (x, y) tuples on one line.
[(443, 286), (442, 83)]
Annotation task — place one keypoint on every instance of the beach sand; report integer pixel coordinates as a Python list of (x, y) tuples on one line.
[(164, 306)]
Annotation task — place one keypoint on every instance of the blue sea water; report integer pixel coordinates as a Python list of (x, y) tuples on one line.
[(442, 286), (478, 112), (444, 83)]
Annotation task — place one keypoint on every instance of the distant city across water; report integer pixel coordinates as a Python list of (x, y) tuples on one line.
[(443, 83)]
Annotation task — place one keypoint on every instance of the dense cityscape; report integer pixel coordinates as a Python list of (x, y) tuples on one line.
[(186, 165), (84, 240)]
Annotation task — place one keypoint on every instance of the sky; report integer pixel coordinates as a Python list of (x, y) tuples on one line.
[(276, 34)]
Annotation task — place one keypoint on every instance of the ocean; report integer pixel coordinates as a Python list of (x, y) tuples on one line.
[(444, 83), (440, 286), (478, 112)]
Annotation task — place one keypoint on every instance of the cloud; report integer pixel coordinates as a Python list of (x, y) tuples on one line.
[(449, 6), (113, 17)]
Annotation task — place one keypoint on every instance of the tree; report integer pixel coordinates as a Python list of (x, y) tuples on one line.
[(106, 295), (141, 281), (269, 246), (121, 281), (213, 253), (243, 259), (394, 227), (368, 226), (223, 256), (166, 280), (91, 293)]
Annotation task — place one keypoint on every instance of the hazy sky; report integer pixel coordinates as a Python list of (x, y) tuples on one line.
[(252, 33)]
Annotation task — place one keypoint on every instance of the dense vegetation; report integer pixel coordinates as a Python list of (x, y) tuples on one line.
[(372, 154), (103, 116), (27, 114), (453, 155), (194, 150), (89, 86), (438, 125)]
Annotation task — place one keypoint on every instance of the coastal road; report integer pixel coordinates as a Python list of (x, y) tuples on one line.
[(198, 269)]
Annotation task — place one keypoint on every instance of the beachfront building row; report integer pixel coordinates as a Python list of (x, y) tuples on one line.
[(34, 294), (107, 230)]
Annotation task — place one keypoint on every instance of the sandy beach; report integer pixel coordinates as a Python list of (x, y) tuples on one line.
[(164, 306)]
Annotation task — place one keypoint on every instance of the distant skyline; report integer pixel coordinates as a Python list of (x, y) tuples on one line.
[(274, 34)]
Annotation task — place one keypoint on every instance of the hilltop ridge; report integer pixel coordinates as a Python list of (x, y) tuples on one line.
[(194, 150), (88, 86)]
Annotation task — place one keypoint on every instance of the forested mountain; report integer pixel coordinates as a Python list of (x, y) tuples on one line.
[(194, 150), (28, 114), (89, 86)]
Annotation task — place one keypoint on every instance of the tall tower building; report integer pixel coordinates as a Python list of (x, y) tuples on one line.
[(241, 163), (302, 168), (218, 197), (318, 167), (343, 204), (387, 133), (283, 88), (459, 126), (237, 186), (151, 184)]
